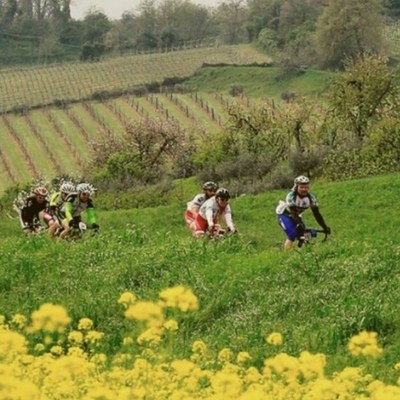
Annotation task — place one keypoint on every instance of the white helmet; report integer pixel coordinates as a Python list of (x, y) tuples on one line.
[(85, 188), (301, 180), (67, 188)]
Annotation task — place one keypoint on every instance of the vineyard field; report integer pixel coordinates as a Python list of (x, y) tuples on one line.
[(28, 87), (50, 141)]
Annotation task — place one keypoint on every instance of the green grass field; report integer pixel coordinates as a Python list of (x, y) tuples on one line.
[(247, 286)]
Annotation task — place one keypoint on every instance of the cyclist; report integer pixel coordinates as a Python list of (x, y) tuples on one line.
[(209, 213), (32, 210), (290, 212), (192, 207), (74, 205), (52, 216)]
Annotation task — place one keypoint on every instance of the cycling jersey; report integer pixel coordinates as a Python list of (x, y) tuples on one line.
[(197, 202), (294, 205), (290, 213), (210, 211), (74, 206), (31, 209)]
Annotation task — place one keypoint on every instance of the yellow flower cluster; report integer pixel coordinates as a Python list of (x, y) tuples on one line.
[(275, 338), (50, 318), (365, 344), (180, 297), (71, 369)]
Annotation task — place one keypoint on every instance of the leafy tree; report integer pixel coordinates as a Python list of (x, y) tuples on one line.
[(95, 27), (392, 8), (347, 28), (186, 20), (8, 11), (146, 153), (146, 25), (262, 14), (231, 17), (296, 13), (361, 95), (267, 40)]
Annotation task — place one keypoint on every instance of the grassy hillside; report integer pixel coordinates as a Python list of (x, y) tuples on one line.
[(259, 82), (247, 286)]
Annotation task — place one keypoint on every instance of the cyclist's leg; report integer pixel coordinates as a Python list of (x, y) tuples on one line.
[(199, 226), (289, 227), (54, 225), (65, 229)]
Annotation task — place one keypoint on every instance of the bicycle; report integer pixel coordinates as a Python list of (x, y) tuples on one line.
[(219, 232), (310, 233), (77, 231)]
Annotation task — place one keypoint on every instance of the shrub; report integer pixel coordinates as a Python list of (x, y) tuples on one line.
[(140, 90), (236, 90)]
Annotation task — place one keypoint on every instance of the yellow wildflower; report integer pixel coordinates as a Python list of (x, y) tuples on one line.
[(85, 324), (11, 344), (19, 321), (56, 350), (364, 344), (127, 299), (75, 337), (146, 311), (225, 355), (227, 384), (39, 347), (151, 337), (183, 367), (199, 347), (127, 341), (50, 318), (243, 357), (171, 325), (275, 338), (180, 297), (93, 337)]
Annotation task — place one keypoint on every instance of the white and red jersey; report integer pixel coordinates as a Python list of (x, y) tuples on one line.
[(210, 211), (197, 202)]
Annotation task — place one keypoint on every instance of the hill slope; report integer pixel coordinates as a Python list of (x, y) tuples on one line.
[(247, 286), (54, 141), (28, 87)]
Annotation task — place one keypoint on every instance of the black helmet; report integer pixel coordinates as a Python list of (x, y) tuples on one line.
[(210, 185), (222, 193)]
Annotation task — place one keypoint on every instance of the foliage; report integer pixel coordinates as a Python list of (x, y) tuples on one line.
[(347, 28), (145, 154), (92, 51), (363, 94)]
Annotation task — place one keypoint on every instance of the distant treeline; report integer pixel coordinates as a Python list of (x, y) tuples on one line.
[(300, 32)]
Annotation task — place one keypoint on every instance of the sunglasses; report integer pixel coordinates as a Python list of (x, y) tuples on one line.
[(40, 197)]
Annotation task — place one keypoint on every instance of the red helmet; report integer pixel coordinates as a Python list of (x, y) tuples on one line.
[(40, 191)]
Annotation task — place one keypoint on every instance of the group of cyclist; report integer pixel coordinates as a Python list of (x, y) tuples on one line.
[(60, 211), (203, 213)]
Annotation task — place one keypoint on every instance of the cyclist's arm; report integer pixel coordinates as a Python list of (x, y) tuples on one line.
[(319, 218), (228, 218), (53, 202), (91, 217), (27, 213), (68, 211)]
